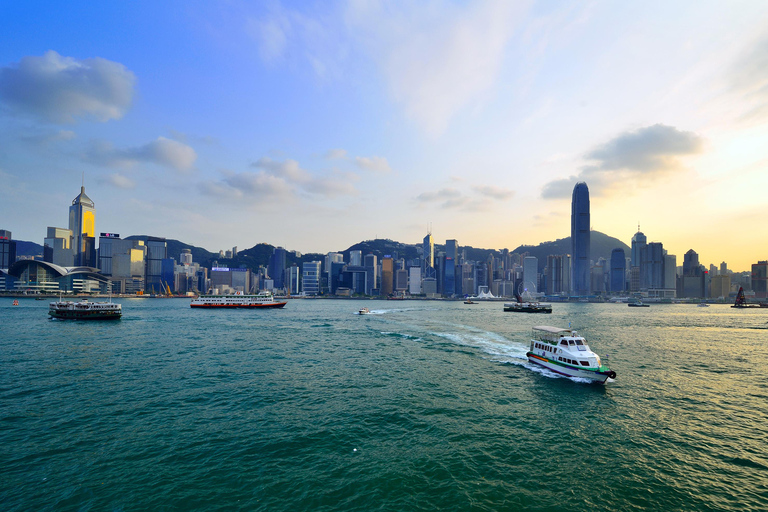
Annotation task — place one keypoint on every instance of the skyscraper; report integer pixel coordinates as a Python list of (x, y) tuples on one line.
[(638, 242), (428, 261), (277, 268), (580, 240), (618, 270), (82, 223)]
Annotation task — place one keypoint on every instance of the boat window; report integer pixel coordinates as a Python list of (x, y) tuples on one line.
[(564, 343), (571, 343), (578, 341), (584, 363)]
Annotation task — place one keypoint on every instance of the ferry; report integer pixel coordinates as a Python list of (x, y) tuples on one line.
[(565, 352), (238, 300), (527, 307), (85, 310)]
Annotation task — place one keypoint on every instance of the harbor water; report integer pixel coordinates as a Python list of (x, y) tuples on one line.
[(420, 405)]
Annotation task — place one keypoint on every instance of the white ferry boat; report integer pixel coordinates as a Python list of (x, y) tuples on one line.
[(84, 310), (237, 300), (565, 352)]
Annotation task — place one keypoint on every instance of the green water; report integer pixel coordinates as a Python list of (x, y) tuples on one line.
[(422, 405)]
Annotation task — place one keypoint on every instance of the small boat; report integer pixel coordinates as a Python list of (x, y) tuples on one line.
[(470, 301), (238, 300), (364, 311), (85, 310), (565, 352), (741, 301), (15, 302), (703, 305), (638, 304)]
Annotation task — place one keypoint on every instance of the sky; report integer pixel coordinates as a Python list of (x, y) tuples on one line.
[(316, 125)]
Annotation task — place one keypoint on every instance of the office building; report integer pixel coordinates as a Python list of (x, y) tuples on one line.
[(310, 277), (530, 274), (618, 271), (449, 277), (760, 279), (157, 251), (294, 280), (387, 276), (277, 263), (356, 258), (580, 240), (428, 257), (414, 278), (370, 263), (82, 224), (57, 248)]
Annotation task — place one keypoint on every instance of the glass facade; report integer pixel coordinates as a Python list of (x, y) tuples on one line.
[(618, 270), (580, 240)]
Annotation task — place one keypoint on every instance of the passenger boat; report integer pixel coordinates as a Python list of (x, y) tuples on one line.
[(638, 304), (237, 300), (85, 310), (364, 311), (565, 352)]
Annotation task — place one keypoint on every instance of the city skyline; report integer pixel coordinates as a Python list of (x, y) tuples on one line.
[(314, 127)]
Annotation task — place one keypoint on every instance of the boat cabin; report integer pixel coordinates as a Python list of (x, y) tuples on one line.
[(563, 345)]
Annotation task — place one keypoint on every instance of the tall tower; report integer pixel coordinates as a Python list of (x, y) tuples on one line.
[(580, 239), (428, 265), (82, 223)]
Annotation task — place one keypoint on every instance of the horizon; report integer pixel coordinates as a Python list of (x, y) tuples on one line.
[(308, 125)]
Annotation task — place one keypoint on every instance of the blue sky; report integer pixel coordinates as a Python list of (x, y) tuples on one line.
[(317, 125)]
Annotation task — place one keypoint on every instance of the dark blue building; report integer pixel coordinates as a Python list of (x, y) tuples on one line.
[(618, 270), (580, 271), (449, 284), (277, 267)]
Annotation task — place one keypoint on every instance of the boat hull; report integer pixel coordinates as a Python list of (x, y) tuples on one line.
[(568, 371), (239, 306), (85, 315)]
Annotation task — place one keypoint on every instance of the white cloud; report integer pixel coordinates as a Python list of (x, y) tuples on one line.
[(336, 154), (119, 181), (493, 192), (437, 57), (276, 180), (373, 163), (631, 157), (161, 151), (60, 89), (453, 198)]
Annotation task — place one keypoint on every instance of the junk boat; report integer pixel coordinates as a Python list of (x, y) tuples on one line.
[(84, 310), (565, 352), (741, 300), (529, 306), (237, 300)]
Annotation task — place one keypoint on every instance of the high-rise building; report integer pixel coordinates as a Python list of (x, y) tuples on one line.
[(428, 258), (356, 258), (157, 251), (452, 250), (387, 275), (530, 274), (638, 242), (277, 267), (185, 258), (618, 271), (760, 279), (7, 249), (558, 267), (449, 281), (310, 277), (370, 263), (294, 275), (580, 240), (82, 223), (691, 267), (57, 248)]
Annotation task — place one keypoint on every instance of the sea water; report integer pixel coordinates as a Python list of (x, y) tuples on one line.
[(420, 405)]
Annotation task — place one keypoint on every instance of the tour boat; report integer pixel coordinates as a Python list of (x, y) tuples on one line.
[(565, 352), (527, 307), (85, 310), (741, 301), (237, 300)]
